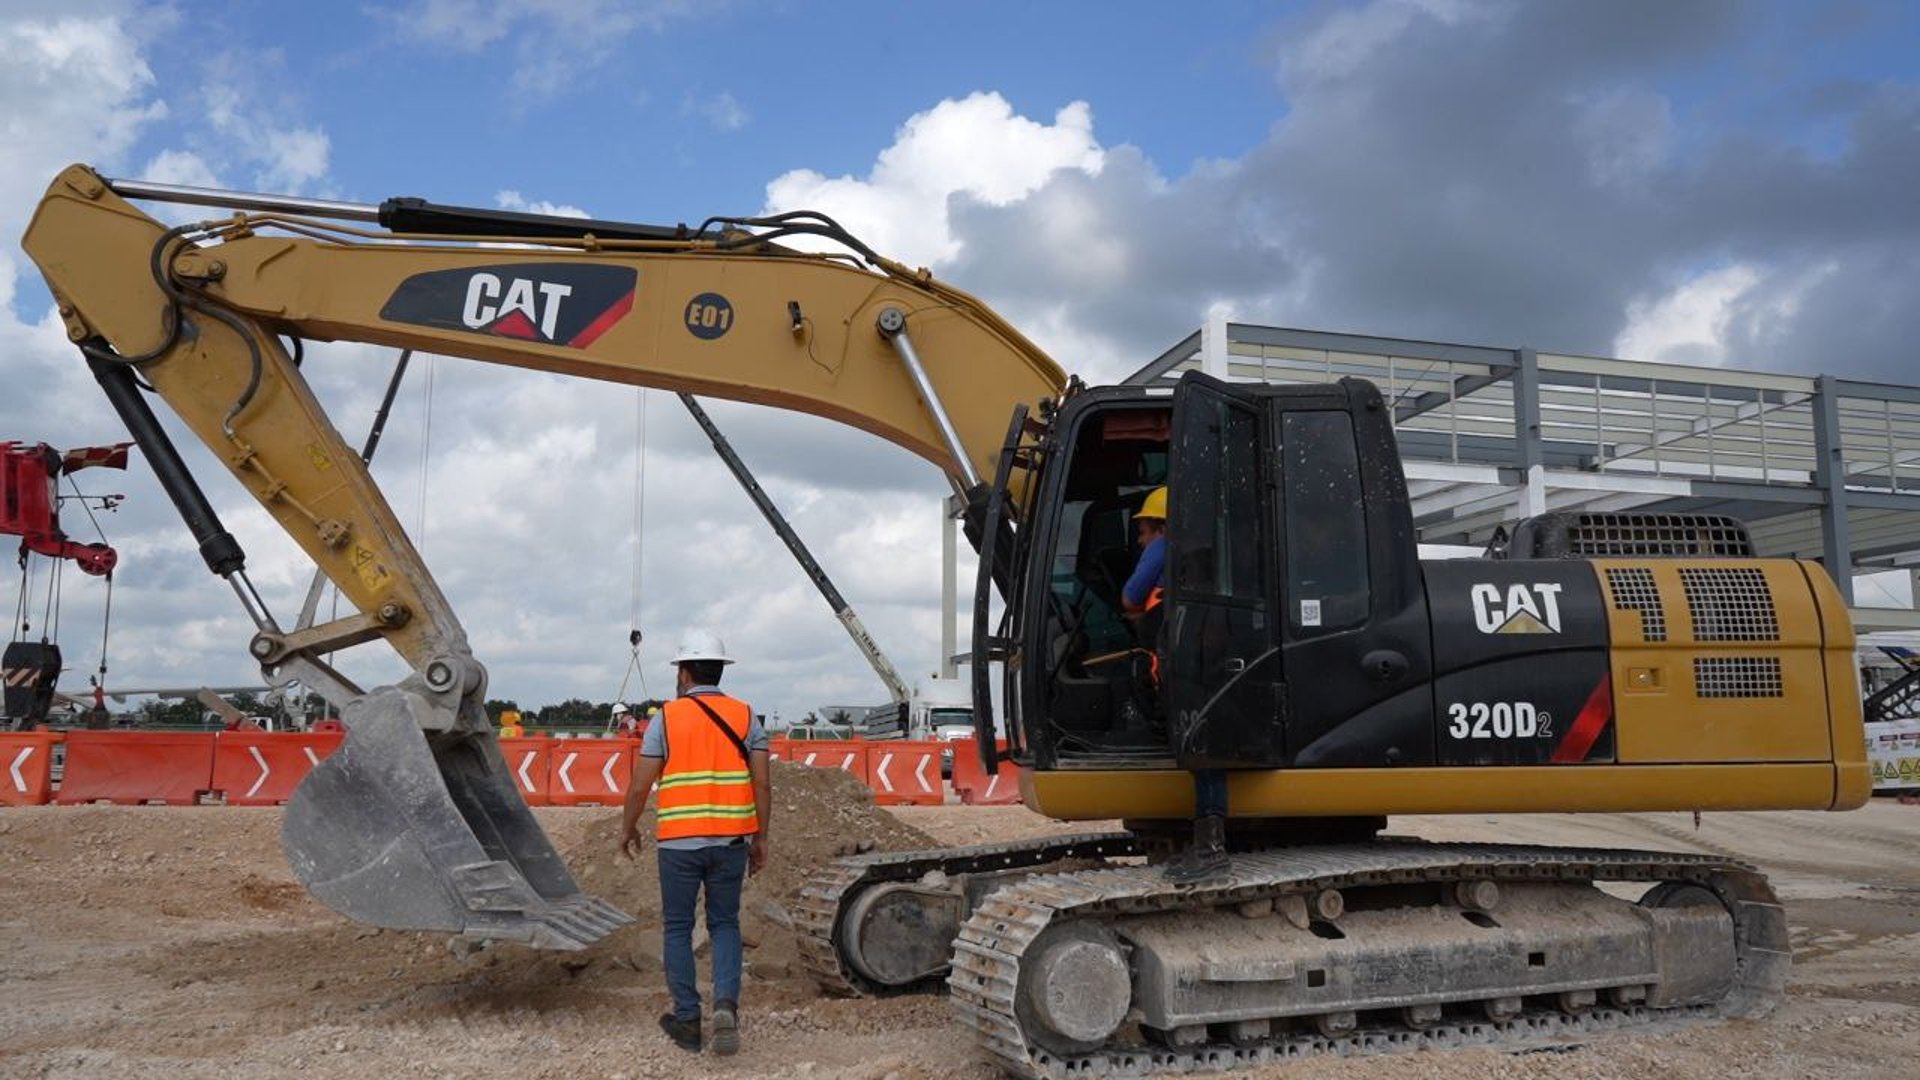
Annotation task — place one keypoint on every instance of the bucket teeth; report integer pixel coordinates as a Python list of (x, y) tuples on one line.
[(584, 921)]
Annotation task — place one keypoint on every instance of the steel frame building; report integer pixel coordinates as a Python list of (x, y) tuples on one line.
[(1818, 466)]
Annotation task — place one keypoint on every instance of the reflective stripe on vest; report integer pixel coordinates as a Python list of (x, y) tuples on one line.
[(1154, 599), (704, 788)]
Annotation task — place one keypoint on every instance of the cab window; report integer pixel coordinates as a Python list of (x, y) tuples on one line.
[(1326, 527)]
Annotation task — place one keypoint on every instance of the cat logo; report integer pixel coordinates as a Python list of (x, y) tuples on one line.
[(548, 303), (1521, 609), (513, 308)]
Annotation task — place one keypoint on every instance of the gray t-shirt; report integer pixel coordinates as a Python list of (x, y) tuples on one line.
[(654, 745)]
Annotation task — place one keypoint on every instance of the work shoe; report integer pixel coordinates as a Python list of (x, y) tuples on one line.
[(684, 1033), (726, 1028), (1206, 859)]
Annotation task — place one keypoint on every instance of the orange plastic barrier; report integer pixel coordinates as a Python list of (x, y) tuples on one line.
[(903, 773), (780, 749), (529, 759), (590, 772), (847, 755), (27, 757), (133, 767), (259, 768), (971, 781)]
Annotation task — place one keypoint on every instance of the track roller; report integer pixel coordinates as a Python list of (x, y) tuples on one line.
[(1574, 1002), (1419, 1017), (1335, 1024)]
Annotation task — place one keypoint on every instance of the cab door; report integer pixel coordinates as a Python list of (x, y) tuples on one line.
[(1353, 625), (1221, 674)]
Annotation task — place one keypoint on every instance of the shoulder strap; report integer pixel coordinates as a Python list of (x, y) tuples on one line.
[(738, 743)]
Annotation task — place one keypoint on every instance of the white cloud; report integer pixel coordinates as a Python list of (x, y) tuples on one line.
[(1690, 324), (1719, 316), (508, 199), (71, 89), (257, 130), (295, 158), (182, 167), (721, 110), (976, 147), (554, 42)]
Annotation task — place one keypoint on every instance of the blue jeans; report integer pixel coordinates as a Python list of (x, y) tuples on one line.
[(721, 870), (1209, 793)]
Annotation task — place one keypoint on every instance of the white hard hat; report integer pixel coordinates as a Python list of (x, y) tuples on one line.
[(620, 707), (701, 644)]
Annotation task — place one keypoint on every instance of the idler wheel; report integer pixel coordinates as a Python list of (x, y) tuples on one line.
[(1075, 988)]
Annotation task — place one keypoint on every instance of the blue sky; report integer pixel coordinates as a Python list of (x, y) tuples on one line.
[(1725, 182), (820, 86)]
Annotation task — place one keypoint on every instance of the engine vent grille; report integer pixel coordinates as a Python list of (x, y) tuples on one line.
[(1633, 590), (1737, 677), (1730, 604), (1627, 535)]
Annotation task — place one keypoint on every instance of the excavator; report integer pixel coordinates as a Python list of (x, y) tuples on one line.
[(1592, 663)]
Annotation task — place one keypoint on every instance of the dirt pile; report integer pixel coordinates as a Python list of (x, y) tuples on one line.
[(818, 814)]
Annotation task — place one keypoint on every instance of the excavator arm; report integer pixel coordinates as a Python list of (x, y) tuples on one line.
[(414, 823)]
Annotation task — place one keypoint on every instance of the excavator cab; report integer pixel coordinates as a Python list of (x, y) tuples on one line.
[(1272, 492)]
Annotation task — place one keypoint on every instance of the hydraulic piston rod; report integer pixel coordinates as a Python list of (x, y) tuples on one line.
[(893, 327)]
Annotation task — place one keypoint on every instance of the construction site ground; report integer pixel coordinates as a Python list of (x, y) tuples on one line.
[(156, 942)]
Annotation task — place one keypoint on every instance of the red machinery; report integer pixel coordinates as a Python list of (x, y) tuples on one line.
[(30, 505), (30, 509)]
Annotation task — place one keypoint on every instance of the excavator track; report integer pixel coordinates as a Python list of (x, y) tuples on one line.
[(820, 904), (986, 976)]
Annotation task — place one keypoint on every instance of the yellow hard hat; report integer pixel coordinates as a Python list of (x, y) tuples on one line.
[(1155, 506)]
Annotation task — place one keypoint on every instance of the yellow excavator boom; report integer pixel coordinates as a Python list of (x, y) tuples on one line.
[(414, 823)]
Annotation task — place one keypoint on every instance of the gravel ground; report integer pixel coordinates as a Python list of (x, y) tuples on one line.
[(172, 942)]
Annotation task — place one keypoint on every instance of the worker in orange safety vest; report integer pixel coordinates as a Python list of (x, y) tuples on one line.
[(707, 754)]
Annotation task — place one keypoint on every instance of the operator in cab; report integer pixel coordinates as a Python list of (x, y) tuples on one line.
[(707, 753), (1142, 598)]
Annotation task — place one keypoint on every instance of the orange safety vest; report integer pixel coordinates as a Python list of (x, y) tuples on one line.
[(705, 789), (1154, 600)]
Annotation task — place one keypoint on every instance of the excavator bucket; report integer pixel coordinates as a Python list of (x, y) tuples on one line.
[(414, 829)]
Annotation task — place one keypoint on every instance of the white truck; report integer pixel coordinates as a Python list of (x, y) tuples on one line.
[(942, 709)]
